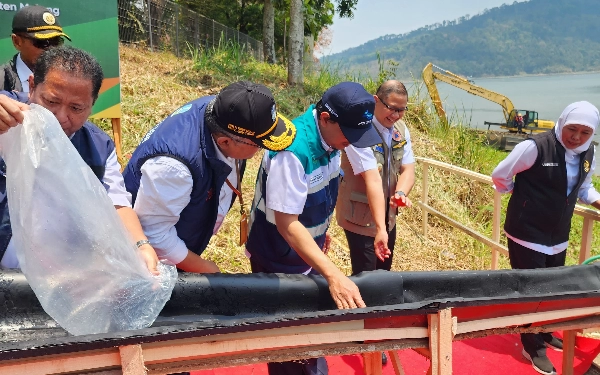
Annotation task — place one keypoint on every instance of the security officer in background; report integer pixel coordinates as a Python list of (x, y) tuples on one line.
[(34, 30)]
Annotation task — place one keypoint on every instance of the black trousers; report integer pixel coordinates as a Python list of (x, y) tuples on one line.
[(522, 258), (310, 366), (362, 252)]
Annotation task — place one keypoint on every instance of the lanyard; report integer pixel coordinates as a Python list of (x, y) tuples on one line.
[(243, 216), (239, 184)]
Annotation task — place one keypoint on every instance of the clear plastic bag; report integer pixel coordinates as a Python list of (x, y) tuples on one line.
[(71, 244)]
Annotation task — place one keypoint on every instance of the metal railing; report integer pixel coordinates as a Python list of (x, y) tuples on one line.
[(165, 25), (589, 215)]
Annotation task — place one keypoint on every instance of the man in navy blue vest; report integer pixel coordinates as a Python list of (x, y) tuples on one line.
[(67, 81), (186, 173)]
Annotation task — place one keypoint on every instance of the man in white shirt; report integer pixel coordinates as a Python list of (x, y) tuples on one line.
[(35, 29), (186, 173), (295, 196), (67, 81), (365, 210)]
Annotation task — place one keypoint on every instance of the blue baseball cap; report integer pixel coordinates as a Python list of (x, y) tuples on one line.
[(351, 106)]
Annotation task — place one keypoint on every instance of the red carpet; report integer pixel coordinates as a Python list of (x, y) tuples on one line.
[(493, 355)]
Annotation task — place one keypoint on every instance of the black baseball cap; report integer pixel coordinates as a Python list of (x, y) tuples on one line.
[(248, 110), (38, 22), (351, 106)]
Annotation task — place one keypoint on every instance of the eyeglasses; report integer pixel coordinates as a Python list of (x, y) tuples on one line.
[(397, 110), (45, 43)]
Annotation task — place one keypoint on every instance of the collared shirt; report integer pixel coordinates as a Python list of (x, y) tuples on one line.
[(23, 72), (363, 159), (290, 197), (521, 158), (165, 190), (115, 188)]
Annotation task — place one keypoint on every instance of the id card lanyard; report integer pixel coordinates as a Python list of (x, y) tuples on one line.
[(243, 214)]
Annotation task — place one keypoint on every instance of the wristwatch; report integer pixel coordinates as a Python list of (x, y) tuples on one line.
[(141, 243), (400, 193)]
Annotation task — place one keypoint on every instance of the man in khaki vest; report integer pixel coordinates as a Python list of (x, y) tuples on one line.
[(366, 211)]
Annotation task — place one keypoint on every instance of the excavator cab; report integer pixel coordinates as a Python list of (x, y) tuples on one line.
[(531, 122)]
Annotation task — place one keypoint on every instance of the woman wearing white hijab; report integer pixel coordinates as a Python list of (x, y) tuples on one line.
[(551, 172)]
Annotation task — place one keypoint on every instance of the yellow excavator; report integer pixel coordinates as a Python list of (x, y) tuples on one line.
[(512, 116)]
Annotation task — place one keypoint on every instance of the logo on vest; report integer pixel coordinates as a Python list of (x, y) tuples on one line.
[(147, 136), (182, 109), (586, 166), (396, 136), (315, 180), (549, 164), (209, 194)]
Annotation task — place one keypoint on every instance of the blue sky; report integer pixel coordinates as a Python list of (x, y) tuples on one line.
[(375, 18)]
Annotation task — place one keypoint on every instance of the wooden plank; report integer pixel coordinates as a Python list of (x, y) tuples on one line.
[(132, 360), (456, 170), (372, 363), (496, 228), (425, 197), (281, 355), (116, 128), (478, 236), (587, 212), (575, 324), (395, 358), (585, 250), (397, 322), (468, 313), (517, 320), (445, 336), (62, 363), (220, 344), (434, 345), (568, 352)]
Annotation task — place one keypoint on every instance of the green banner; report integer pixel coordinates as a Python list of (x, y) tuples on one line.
[(92, 26)]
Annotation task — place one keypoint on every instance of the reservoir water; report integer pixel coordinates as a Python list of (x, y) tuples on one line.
[(548, 95)]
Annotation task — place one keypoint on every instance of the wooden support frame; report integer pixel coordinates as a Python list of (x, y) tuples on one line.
[(568, 352), (116, 128), (589, 215), (132, 360), (473, 233), (433, 340), (440, 342)]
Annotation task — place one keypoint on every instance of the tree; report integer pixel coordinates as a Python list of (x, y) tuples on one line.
[(269, 32), (319, 14), (296, 54)]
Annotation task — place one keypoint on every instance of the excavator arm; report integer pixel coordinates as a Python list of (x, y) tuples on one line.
[(430, 76)]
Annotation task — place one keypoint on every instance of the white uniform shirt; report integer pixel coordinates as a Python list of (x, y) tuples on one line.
[(115, 187), (290, 196), (363, 159), (23, 72), (522, 157), (165, 190)]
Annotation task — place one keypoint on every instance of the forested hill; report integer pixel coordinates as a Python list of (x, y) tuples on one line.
[(534, 37)]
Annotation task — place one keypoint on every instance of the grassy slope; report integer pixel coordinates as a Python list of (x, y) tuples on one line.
[(155, 84)]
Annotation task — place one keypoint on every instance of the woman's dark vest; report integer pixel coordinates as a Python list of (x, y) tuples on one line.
[(94, 146), (539, 210), (184, 137)]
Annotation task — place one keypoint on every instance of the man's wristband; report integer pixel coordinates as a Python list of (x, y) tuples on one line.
[(400, 193), (141, 243)]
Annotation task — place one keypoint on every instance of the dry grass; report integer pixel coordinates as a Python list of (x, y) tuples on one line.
[(155, 84)]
